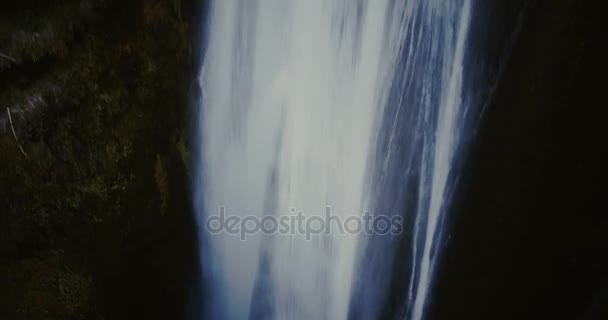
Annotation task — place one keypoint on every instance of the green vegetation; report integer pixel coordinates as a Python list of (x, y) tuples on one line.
[(97, 93)]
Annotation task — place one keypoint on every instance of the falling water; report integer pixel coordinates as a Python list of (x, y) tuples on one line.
[(295, 97), (441, 151)]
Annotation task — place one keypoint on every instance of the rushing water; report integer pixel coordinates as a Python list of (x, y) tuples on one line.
[(306, 105)]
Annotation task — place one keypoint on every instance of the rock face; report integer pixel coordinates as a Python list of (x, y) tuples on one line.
[(526, 240), (95, 210)]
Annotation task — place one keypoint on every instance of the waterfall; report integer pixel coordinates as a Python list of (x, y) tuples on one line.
[(296, 98), (441, 151)]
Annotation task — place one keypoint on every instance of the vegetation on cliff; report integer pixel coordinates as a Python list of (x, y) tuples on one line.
[(98, 93)]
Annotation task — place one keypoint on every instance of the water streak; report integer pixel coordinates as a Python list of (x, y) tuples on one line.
[(295, 96)]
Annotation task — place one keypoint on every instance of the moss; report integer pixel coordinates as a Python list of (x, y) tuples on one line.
[(53, 291), (184, 152), (162, 183), (97, 94), (46, 287)]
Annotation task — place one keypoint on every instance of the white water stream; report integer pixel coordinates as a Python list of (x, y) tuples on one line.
[(293, 94)]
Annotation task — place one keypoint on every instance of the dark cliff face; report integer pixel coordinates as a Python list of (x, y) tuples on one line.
[(95, 219), (528, 238)]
